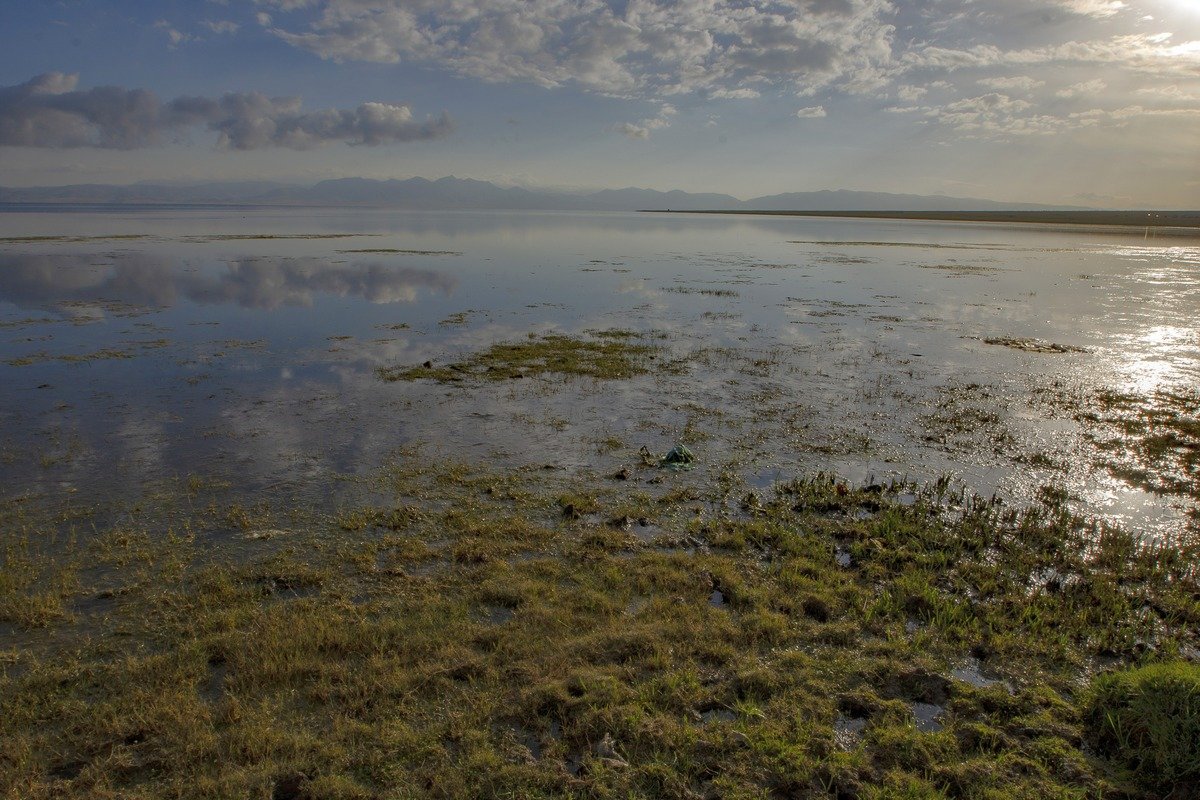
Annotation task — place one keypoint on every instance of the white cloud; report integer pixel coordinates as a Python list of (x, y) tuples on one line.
[(1143, 53), (734, 94), (812, 112), (997, 116), (1095, 8), (911, 94), (1020, 83), (1172, 93), (643, 129), (641, 48), (221, 26), (175, 36), (1091, 87)]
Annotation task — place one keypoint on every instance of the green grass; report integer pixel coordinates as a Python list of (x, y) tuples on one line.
[(455, 634), (1148, 719)]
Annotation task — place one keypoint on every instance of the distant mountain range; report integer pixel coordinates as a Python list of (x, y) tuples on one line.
[(460, 193)]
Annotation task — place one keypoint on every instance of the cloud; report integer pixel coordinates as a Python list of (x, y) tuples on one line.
[(48, 111), (1085, 88), (1022, 83), (812, 112), (1094, 8), (175, 35), (1172, 93), (734, 94), (997, 116), (221, 26), (1143, 53), (635, 48), (642, 129)]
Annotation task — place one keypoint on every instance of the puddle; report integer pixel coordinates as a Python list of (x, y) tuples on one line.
[(496, 615), (926, 716), (847, 731), (713, 715), (214, 687), (970, 672)]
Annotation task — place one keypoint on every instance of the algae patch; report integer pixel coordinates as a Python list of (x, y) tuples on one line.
[(609, 357)]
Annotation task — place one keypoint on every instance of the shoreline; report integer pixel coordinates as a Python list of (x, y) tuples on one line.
[(1186, 220)]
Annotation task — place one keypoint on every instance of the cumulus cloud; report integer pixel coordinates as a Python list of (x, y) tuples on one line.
[(812, 112), (642, 129), (1085, 88), (49, 111), (999, 116), (638, 48)]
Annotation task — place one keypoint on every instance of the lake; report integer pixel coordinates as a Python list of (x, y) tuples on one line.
[(247, 345)]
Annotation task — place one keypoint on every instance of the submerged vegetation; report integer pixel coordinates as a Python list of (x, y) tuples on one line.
[(457, 634), (1033, 345), (395, 251), (1150, 441), (1155, 440), (606, 355)]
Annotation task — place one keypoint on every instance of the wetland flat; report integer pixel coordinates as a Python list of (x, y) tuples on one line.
[(373, 504)]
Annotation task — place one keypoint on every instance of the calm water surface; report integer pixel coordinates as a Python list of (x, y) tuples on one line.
[(854, 346)]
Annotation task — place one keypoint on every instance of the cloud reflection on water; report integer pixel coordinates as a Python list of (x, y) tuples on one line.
[(66, 282)]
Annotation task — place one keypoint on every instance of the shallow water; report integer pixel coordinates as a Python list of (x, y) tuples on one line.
[(853, 346)]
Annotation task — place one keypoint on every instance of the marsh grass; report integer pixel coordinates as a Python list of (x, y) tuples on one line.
[(606, 355), (469, 639), (1148, 719), (104, 354), (395, 251), (1157, 438), (1033, 345)]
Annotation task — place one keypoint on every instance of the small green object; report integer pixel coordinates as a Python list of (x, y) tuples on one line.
[(1148, 720), (679, 458)]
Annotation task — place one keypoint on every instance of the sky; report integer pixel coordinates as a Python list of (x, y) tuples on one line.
[(1083, 102)]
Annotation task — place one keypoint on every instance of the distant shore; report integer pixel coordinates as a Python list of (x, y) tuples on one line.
[(1125, 219)]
